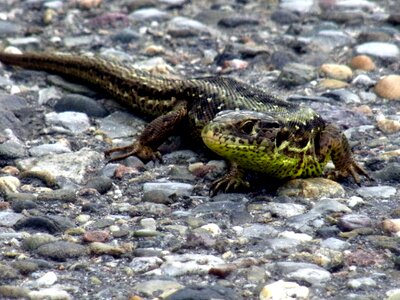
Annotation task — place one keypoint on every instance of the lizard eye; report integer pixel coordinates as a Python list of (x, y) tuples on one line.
[(247, 126)]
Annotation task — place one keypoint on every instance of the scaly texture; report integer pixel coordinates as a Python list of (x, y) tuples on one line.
[(261, 132)]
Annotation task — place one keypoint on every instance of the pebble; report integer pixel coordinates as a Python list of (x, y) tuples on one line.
[(12, 149), (387, 125), (379, 49), (294, 74), (353, 221), (203, 292), (328, 83), (189, 263), (214, 229), (301, 6), (146, 14), (9, 29), (389, 87), (121, 125), (149, 287), (96, 236), (393, 294), (60, 164), (359, 283), (88, 4), (9, 184), (48, 149), (335, 71), (379, 192), (310, 275), (145, 264), (284, 17), (391, 225), (163, 192), (47, 279), (343, 95), (259, 231), (79, 41), (322, 207), (311, 188), (9, 219), (74, 121), (10, 291), (97, 248), (23, 41), (362, 62), (61, 250), (49, 293), (7, 273), (281, 210), (363, 80), (284, 290), (101, 184), (46, 94), (79, 103), (34, 241), (335, 244), (184, 27)]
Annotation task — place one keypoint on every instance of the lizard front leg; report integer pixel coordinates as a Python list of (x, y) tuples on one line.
[(233, 180), (155, 133), (333, 141)]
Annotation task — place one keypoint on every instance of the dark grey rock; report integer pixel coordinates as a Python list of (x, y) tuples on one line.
[(61, 251), (79, 103), (51, 224), (9, 29), (284, 17), (100, 183), (12, 149), (204, 293), (294, 74), (126, 35), (62, 195), (20, 205), (12, 102), (235, 21), (8, 121)]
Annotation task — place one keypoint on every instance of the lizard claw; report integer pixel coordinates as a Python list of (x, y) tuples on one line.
[(137, 149), (352, 169), (232, 181)]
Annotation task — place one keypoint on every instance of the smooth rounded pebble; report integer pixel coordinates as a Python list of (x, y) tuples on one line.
[(284, 290), (362, 62), (389, 87), (336, 71)]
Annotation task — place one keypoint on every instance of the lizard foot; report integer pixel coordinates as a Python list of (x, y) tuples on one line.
[(232, 181), (137, 149), (352, 169)]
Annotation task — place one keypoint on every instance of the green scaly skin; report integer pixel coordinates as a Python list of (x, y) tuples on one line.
[(264, 134), (281, 146)]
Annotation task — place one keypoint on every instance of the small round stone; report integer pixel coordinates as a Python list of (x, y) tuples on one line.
[(362, 62), (389, 87), (391, 225), (336, 71)]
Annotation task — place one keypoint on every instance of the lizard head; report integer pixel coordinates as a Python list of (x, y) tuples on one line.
[(281, 144)]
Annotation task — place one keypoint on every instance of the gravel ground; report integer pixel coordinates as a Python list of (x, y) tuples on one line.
[(73, 226)]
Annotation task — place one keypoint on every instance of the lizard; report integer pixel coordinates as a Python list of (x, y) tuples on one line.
[(251, 128)]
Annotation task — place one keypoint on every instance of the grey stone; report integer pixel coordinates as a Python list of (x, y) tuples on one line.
[(380, 192), (379, 49)]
